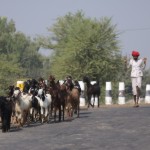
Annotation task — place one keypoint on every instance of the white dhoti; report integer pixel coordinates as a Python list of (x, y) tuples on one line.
[(137, 81)]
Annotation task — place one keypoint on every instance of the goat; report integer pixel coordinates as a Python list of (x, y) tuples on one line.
[(22, 106), (45, 101), (92, 90), (73, 102), (35, 108), (6, 112), (58, 93)]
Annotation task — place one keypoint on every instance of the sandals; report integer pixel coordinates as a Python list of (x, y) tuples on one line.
[(136, 105)]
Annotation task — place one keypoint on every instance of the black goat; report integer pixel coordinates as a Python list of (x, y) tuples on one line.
[(6, 112), (92, 90)]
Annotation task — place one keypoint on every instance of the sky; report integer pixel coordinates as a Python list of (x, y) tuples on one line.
[(132, 17)]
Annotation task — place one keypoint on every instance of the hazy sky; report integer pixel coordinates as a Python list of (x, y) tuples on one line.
[(132, 18)]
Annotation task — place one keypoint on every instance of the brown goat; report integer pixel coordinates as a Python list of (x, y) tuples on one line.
[(73, 102)]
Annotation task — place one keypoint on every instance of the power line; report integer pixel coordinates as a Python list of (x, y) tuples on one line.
[(136, 29)]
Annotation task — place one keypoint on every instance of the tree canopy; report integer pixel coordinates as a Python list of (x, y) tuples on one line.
[(82, 46), (19, 57), (85, 46)]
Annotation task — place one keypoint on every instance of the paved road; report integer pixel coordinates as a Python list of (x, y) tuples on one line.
[(106, 128)]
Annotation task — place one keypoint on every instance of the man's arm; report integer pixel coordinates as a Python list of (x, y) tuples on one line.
[(144, 63)]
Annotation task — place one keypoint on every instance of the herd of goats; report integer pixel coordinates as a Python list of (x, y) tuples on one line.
[(39, 101)]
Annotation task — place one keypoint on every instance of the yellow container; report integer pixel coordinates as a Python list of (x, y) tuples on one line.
[(20, 84)]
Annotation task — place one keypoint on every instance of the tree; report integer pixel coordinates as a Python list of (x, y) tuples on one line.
[(19, 57), (7, 29), (85, 47)]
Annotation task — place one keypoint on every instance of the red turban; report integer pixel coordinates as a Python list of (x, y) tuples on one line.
[(135, 53)]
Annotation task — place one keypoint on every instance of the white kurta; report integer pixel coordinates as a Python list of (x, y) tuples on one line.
[(136, 73), (137, 67)]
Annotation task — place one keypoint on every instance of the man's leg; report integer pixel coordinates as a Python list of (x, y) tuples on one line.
[(134, 90), (138, 96), (138, 89), (134, 97)]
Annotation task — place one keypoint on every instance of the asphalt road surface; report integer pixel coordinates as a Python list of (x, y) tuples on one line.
[(105, 128)]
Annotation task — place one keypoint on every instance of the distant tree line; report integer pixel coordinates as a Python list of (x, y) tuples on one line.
[(19, 57), (82, 46)]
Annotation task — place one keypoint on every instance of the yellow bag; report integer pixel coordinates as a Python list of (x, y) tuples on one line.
[(20, 84)]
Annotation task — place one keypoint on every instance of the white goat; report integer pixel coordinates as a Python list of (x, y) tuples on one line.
[(22, 106), (45, 101)]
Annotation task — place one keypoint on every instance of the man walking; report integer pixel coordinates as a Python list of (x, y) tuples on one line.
[(137, 66)]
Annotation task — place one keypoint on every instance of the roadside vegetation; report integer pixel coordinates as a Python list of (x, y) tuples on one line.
[(81, 46)]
